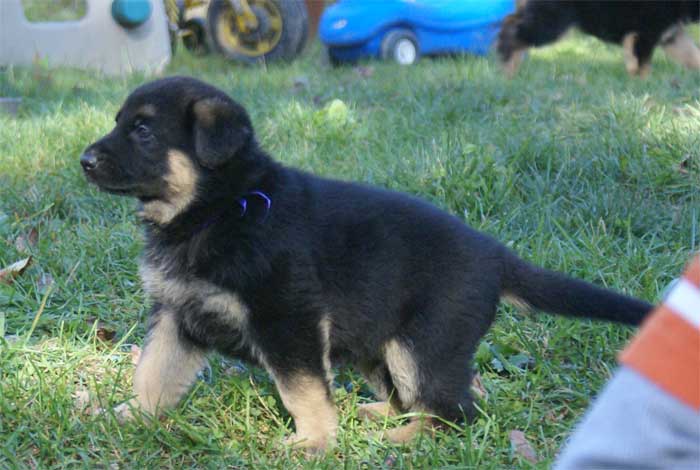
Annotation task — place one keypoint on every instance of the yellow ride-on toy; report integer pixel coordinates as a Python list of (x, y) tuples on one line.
[(242, 30)]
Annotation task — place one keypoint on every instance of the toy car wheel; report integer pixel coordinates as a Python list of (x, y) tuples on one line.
[(194, 37), (332, 59), (401, 46), (276, 32)]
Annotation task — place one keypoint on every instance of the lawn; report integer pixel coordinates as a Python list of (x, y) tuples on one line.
[(573, 164)]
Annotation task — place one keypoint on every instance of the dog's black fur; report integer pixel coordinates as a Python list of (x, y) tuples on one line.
[(366, 276), (540, 22)]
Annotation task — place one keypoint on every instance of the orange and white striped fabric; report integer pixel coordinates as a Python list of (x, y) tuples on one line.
[(667, 348)]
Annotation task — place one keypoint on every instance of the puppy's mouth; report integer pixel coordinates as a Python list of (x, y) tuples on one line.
[(118, 189), (106, 183)]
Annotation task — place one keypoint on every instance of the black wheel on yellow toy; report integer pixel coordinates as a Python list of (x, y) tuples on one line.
[(194, 36), (276, 32)]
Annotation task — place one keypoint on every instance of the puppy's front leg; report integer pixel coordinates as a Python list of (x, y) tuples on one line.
[(307, 398), (167, 367)]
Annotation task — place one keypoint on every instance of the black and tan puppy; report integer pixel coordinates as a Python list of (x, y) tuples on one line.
[(298, 273), (639, 25)]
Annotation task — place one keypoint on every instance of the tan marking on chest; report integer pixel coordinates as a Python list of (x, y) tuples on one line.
[(181, 185), (178, 291)]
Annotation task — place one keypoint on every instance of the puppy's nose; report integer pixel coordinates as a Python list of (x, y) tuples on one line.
[(88, 161)]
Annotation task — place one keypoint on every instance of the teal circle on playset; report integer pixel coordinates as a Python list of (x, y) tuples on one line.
[(131, 13)]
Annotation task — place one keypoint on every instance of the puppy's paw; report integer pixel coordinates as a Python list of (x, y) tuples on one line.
[(310, 445), (375, 411), (512, 65), (126, 411), (406, 433)]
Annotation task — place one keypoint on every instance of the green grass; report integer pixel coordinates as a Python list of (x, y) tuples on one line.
[(574, 165)]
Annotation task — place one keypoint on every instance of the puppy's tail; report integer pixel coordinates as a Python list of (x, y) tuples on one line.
[(553, 292)]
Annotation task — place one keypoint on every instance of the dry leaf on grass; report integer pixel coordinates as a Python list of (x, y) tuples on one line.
[(390, 461), (301, 83), (104, 334), (24, 243), (8, 275), (85, 403), (364, 72), (81, 399), (520, 446), (478, 387), (553, 417), (101, 331), (684, 165)]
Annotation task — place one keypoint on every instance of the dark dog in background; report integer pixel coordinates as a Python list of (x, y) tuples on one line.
[(297, 273), (639, 26)]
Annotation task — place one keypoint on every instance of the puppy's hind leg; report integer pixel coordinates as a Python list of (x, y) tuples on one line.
[(681, 48), (407, 432), (376, 410), (167, 367), (431, 371), (378, 377)]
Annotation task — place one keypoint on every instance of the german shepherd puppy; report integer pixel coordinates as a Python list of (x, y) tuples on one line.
[(639, 25), (298, 273)]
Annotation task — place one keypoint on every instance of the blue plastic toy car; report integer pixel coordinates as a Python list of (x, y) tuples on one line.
[(403, 30)]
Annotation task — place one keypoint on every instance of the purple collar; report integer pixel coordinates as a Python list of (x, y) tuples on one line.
[(243, 202)]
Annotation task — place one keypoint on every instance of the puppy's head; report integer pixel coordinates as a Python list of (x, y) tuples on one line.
[(169, 135)]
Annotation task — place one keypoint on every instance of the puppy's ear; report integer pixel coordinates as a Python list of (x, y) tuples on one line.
[(221, 129)]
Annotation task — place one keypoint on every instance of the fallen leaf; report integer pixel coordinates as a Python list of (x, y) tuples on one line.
[(649, 102), (520, 446), (25, 242), (135, 354), (390, 461), (684, 165), (8, 275), (552, 417), (237, 369), (301, 83), (81, 399), (521, 361), (364, 72), (85, 403), (478, 387), (104, 334)]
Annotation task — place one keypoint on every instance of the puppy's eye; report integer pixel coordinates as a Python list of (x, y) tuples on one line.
[(143, 131)]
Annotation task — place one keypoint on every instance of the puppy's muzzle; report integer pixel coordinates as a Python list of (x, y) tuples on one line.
[(88, 161)]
